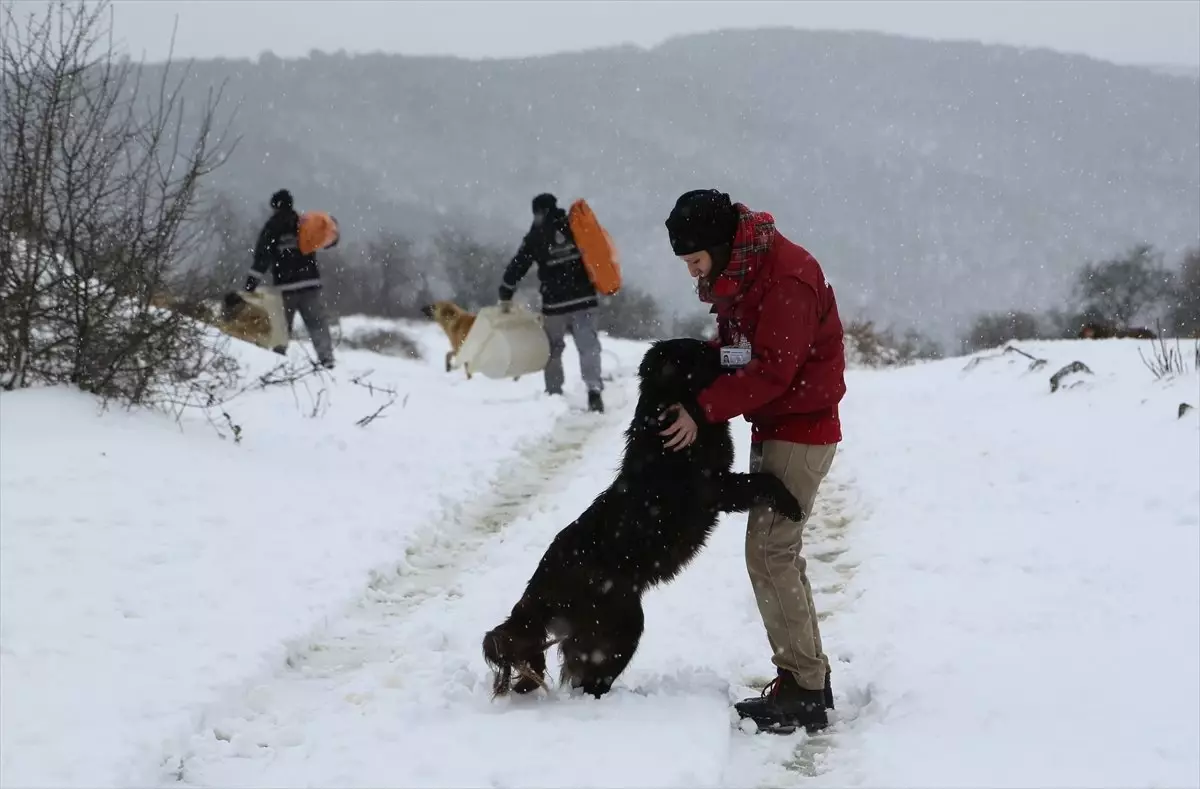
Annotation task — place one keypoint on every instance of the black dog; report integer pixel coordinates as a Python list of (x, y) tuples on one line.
[(642, 531)]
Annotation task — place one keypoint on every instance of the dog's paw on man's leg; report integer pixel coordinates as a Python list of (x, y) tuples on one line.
[(779, 498)]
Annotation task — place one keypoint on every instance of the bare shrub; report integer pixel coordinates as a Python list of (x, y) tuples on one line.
[(1123, 288), (472, 268), (991, 330), (1167, 362), (1185, 306), (631, 313), (223, 254), (872, 346), (383, 277), (211, 395), (391, 394), (97, 198)]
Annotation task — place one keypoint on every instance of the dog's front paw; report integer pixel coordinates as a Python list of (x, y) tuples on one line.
[(787, 505), (792, 510)]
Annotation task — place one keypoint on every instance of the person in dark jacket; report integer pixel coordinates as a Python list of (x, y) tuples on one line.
[(780, 335), (295, 274), (569, 299)]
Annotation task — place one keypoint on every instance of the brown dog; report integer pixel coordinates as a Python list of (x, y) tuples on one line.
[(455, 322), (245, 321), (236, 317)]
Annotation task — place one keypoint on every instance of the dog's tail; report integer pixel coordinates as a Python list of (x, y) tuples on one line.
[(517, 647)]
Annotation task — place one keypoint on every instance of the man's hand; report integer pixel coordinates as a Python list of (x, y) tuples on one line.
[(683, 431)]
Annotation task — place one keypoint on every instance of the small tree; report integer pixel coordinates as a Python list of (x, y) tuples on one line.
[(1185, 308), (97, 198), (915, 345), (226, 249), (1066, 324), (876, 347), (472, 269), (403, 285), (631, 313), (1123, 289), (381, 278), (997, 328)]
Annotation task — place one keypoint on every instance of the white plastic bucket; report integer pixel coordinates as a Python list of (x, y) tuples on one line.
[(268, 299), (504, 345)]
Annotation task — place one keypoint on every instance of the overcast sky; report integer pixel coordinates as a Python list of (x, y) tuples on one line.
[(1141, 31)]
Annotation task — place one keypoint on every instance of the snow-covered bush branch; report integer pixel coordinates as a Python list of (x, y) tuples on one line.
[(97, 200)]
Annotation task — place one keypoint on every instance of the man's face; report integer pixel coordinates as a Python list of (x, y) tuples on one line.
[(699, 264)]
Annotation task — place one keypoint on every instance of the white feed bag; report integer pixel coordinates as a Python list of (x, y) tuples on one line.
[(505, 345)]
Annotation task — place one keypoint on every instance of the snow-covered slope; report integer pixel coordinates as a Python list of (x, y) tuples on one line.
[(1025, 602), (146, 569), (1008, 580)]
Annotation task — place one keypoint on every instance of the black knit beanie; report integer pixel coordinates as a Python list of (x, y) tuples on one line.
[(701, 220), (281, 199), (544, 203)]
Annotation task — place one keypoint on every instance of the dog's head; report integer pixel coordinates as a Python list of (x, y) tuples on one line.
[(442, 311), (677, 370)]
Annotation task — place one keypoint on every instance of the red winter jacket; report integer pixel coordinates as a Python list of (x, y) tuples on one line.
[(774, 295)]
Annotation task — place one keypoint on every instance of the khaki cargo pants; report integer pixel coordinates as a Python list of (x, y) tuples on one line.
[(777, 570)]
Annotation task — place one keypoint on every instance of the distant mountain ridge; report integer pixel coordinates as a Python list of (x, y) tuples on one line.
[(932, 179), (1173, 70)]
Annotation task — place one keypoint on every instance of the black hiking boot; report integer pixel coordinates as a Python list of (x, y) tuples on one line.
[(784, 706), (595, 402)]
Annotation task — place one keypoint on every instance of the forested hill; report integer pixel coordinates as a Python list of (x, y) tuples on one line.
[(932, 179)]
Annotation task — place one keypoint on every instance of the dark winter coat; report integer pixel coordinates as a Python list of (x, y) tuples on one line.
[(565, 285), (278, 249), (774, 298)]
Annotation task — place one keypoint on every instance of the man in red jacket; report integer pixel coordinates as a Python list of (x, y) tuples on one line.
[(780, 334)]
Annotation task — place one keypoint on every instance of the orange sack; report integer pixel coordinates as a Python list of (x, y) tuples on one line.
[(600, 257), (318, 230)]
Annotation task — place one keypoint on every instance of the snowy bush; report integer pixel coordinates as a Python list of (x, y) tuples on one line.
[(1126, 288), (994, 329), (96, 207), (383, 276), (632, 314), (1185, 301), (870, 346)]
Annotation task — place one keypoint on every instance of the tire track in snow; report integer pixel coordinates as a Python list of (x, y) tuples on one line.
[(326, 662)]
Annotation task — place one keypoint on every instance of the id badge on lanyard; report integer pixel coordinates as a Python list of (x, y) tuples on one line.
[(736, 355)]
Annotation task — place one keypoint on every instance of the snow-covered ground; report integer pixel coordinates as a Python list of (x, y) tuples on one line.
[(1009, 580), (145, 569), (1025, 601)]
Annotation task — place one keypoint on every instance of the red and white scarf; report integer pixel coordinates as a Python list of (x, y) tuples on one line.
[(754, 236)]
